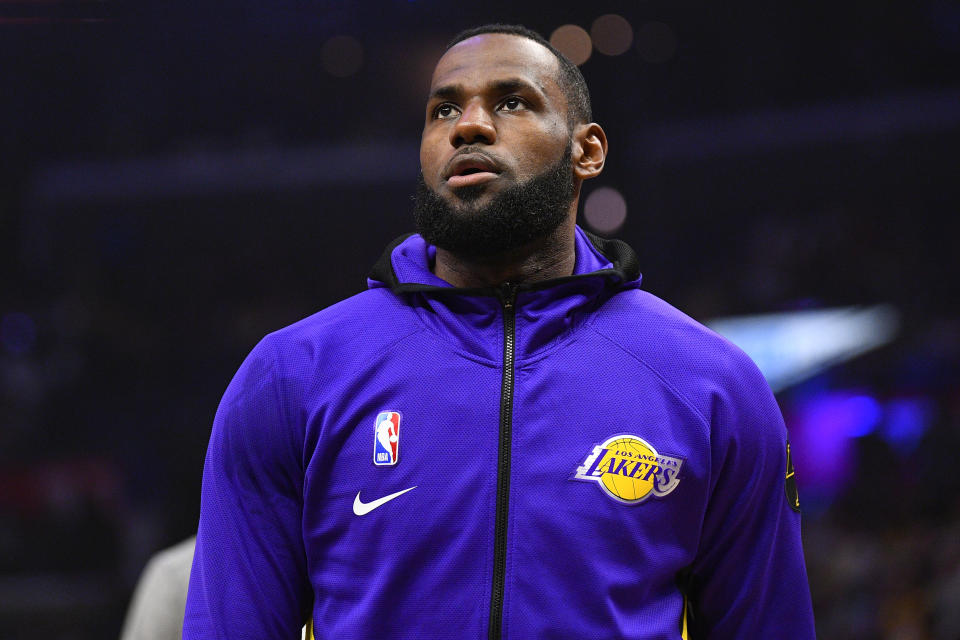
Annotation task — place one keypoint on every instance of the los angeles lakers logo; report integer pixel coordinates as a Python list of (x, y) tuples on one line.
[(630, 470)]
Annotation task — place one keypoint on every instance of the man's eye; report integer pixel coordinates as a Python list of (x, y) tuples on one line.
[(444, 111), (512, 104)]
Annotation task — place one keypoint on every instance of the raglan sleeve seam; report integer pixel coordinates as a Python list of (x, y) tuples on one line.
[(679, 395)]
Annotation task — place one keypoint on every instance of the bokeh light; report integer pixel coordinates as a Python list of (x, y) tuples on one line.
[(656, 42), (18, 333), (573, 42), (342, 56), (605, 210), (612, 34)]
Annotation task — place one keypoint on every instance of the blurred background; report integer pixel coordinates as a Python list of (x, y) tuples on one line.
[(180, 178)]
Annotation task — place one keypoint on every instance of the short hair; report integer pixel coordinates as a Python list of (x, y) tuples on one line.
[(572, 84)]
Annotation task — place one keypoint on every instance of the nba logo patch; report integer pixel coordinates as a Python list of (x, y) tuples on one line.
[(386, 438)]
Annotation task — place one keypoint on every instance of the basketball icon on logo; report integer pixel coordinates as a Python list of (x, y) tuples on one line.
[(637, 484), (629, 469)]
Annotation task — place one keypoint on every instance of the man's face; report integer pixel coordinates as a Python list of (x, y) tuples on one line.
[(496, 118)]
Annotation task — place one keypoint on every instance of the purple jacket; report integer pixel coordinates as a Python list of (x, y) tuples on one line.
[(568, 459)]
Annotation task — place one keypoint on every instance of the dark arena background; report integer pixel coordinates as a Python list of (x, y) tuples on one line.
[(179, 179)]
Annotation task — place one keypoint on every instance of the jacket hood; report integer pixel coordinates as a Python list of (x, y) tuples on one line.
[(547, 312), (405, 266)]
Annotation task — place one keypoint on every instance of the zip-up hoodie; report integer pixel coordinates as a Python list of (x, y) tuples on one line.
[(565, 459)]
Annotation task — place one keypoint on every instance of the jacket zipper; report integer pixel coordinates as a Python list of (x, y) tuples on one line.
[(508, 297)]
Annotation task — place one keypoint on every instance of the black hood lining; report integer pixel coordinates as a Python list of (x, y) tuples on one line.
[(626, 268)]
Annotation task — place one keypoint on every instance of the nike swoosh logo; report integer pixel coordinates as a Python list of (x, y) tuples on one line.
[(363, 508)]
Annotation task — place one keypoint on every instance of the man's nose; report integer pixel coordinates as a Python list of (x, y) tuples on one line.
[(474, 125)]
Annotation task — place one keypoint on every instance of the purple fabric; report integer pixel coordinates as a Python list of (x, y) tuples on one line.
[(293, 442)]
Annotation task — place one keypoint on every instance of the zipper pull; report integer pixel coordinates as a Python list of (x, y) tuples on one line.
[(508, 294)]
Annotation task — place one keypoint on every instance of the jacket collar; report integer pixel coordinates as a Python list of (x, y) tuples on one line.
[(405, 266), (471, 317)]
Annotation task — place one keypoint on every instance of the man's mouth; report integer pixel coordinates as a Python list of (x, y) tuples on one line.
[(471, 169), (471, 177)]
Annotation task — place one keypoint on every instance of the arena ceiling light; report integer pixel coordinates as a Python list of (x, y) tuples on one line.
[(792, 346)]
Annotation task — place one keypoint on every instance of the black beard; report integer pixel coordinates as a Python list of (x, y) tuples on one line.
[(512, 219)]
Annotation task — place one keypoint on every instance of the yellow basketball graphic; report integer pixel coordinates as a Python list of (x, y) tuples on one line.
[(626, 457)]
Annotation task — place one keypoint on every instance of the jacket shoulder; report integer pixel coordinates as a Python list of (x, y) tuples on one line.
[(696, 362), (349, 331)]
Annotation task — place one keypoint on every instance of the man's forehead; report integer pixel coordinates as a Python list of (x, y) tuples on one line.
[(490, 56)]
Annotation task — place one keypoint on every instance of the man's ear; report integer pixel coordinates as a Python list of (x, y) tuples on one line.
[(589, 150)]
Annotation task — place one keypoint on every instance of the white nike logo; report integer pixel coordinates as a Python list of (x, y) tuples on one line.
[(363, 508)]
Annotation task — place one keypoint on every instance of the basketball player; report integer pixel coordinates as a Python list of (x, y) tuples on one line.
[(574, 459)]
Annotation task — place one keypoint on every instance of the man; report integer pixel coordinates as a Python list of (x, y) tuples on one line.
[(573, 458)]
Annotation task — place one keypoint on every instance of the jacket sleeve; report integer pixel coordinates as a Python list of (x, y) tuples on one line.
[(249, 576), (749, 579)]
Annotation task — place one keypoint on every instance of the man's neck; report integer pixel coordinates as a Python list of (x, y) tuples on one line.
[(543, 259)]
